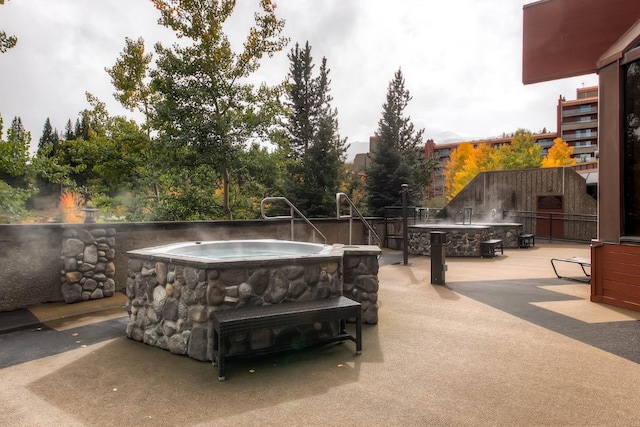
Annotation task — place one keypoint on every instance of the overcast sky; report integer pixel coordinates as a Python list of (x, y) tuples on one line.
[(461, 59)]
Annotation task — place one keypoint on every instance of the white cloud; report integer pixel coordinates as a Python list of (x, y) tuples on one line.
[(461, 60)]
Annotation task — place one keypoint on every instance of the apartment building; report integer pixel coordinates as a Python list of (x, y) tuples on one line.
[(578, 123)]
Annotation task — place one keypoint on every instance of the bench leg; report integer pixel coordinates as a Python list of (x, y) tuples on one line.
[(359, 333), (218, 354)]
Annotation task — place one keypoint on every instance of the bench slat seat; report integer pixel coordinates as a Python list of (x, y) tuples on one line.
[(250, 319), (583, 262)]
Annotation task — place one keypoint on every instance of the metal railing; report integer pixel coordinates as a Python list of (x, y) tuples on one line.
[(352, 209), (291, 216), (580, 227)]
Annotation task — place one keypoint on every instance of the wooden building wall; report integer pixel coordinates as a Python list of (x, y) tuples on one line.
[(518, 190)]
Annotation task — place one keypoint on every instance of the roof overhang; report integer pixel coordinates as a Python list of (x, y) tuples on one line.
[(566, 38)]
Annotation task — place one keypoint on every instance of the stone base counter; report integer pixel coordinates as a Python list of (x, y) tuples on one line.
[(463, 240)]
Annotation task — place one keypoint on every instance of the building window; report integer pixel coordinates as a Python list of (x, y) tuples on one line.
[(631, 149)]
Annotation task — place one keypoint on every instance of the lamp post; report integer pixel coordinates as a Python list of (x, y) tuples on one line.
[(90, 214)]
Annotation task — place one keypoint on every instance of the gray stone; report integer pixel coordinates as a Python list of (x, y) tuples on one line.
[(293, 271), (72, 247), (97, 294), (215, 294), (109, 287), (370, 316), (98, 232), (296, 289), (259, 281), (278, 287), (90, 254), (191, 277), (85, 236), (198, 313), (368, 284), (84, 267), (100, 267), (71, 292), (244, 290), (170, 310), (171, 276), (90, 285), (177, 344), (70, 264), (100, 277), (110, 254), (86, 295), (169, 328), (159, 295), (197, 347), (233, 276)]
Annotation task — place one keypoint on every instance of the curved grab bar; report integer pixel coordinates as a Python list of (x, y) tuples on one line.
[(291, 216), (352, 208)]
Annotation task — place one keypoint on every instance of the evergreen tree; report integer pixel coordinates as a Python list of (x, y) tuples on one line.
[(48, 143), (14, 155), (395, 156), (69, 134), (316, 147)]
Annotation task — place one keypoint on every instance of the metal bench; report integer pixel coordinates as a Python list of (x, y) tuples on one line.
[(488, 247), (245, 320), (526, 240), (583, 262)]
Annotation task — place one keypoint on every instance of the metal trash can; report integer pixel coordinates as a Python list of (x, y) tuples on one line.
[(438, 250)]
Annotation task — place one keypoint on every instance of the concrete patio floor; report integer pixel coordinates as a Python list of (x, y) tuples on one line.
[(504, 342)]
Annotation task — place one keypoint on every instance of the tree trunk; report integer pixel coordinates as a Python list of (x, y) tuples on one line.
[(225, 196)]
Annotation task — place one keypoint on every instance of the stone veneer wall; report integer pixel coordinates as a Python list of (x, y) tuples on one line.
[(88, 257), (462, 241), (171, 302)]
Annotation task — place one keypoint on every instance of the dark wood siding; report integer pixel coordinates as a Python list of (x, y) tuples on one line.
[(518, 190), (616, 275)]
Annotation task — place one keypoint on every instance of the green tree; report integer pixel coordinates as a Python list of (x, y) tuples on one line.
[(523, 152), (206, 103), (14, 153), (6, 42), (49, 138), (395, 157), (130, 77), (317, 150), (15, 184)]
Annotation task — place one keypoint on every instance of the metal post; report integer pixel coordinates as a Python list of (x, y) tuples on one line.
[(405, 231)]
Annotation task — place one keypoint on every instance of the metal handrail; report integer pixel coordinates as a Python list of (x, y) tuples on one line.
[(352, 207), (291, 216)]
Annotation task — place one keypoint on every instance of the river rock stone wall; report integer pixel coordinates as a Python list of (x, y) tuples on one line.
[(88, 264), (170, 303), (462, 241)]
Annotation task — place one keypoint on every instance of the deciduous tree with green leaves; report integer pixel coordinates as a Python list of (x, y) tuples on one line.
[(208, 109), (6, 42)]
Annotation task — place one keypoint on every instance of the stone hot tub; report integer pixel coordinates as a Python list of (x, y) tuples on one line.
[(463, 239), (172, 290)]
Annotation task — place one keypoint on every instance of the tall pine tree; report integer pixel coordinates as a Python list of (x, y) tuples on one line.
[(395, 156), (317, 150), (48, 143)]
